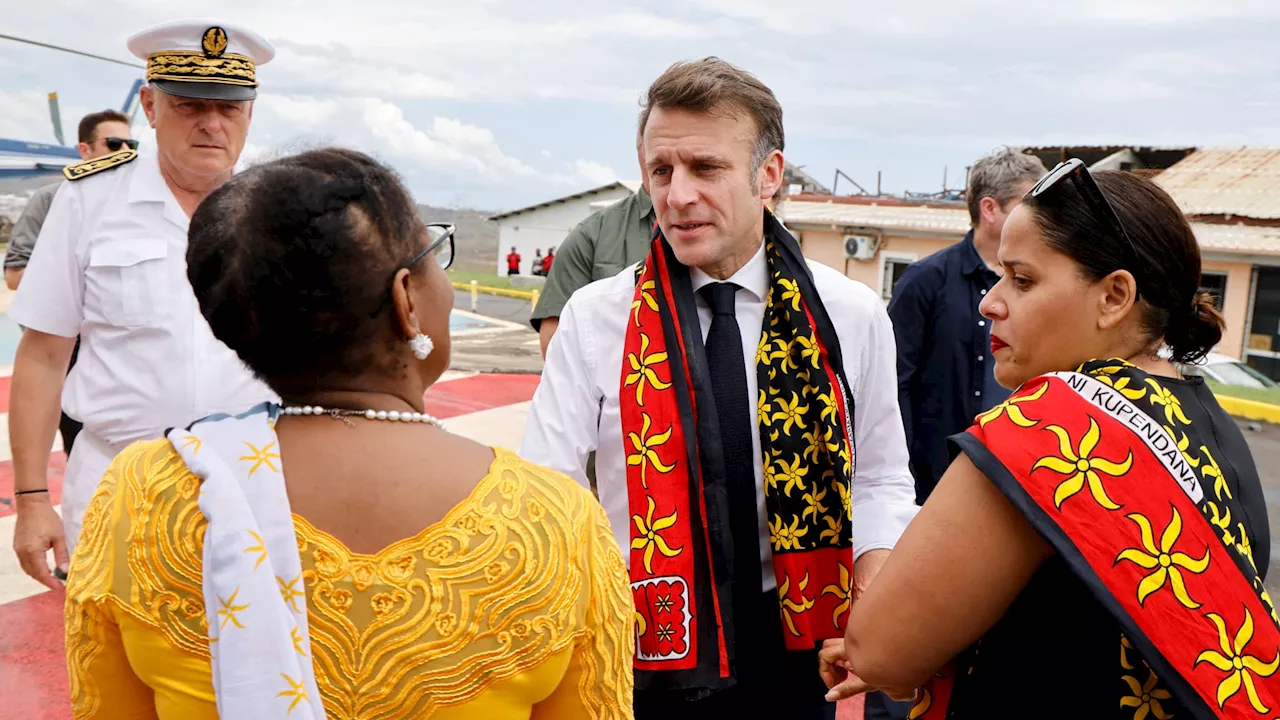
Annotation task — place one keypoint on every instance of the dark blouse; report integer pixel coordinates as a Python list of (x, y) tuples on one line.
[(1056, 652)]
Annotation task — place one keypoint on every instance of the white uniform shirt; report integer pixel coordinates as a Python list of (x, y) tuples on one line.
[(110, 266), (575, 409)]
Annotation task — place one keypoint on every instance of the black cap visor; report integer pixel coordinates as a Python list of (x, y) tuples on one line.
[(206, 90)]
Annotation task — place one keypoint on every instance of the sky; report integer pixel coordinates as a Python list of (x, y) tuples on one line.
[(498, 104)]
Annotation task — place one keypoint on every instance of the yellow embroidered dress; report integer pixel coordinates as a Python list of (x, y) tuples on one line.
[(515, 605)]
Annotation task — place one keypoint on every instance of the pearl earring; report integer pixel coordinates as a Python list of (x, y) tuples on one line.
[(422, 346)]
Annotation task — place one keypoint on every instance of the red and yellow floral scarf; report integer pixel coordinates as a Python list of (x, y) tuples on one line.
[(675, 477), (1108, 467)]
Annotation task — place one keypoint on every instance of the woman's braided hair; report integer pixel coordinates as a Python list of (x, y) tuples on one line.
[(292, 263)]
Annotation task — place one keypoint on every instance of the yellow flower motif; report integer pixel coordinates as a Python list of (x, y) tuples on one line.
[(815, 442), (446, 623), (790, 292), (809, 350), (382, 603), (764, 408), (192, 609), (791, 475), (228, 610), (1145, 697), (843, 593), (494, 571), (260, 457), (1122, 386), (649, 537), (645, 450), (1211, 470), (664, 603), (666, 632), (1161, 395), (642, 370), (191, 441), (791, 606), (835, 525), (399, 569), (295, 691), (646, 295), (1010, 407), (260, 548), (1222, 522), (1244, 547), (784, 537), (363, 573), (1163, 561), (1085, 468), (846, 500), (296, 636), (765, 355), (341, 600), (791, 412), (1234, 660), (290, 592), (813, 503), (829, 407)]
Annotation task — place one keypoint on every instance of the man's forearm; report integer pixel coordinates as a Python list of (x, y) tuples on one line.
[(13, 276), (545, 331), (35, 408)]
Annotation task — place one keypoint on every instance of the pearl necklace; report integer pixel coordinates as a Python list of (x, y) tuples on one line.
[(340, 414)]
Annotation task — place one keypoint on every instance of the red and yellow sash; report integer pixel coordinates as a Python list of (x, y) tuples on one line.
[(1107, 466), (675, 483)]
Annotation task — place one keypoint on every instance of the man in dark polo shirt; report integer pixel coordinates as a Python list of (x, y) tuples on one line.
[(599, 247), (945, 368)]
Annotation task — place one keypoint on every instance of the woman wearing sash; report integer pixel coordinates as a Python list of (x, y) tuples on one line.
[(339, 556), (1098, 546)]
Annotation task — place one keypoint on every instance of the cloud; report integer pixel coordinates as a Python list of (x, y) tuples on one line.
[(433, 87)]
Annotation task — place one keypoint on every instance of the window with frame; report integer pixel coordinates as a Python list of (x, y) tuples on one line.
[(893, 269), (1214, 283)]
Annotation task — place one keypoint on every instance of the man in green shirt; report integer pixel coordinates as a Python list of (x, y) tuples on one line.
[(599, 247)]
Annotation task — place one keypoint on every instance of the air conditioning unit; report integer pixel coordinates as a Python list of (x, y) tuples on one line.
[(861, 247)]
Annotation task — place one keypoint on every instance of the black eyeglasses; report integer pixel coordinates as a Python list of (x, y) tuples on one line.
[(115, 143), (440, 241), (1076, 171)]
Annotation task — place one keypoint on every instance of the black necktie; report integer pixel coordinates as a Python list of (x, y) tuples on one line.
[(727, 368)]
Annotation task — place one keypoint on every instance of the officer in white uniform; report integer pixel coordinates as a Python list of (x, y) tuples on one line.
[(110, 266)]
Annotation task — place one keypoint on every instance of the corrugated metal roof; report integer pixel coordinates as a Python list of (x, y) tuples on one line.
[(1240, 181), (1232, 239)]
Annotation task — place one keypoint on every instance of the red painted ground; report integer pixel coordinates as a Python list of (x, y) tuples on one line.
[(33, 677)]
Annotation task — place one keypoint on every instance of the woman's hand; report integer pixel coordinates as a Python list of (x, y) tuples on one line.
[(836, 672)]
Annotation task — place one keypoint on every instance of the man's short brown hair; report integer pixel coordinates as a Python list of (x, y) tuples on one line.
[(712, 85), (89, 123)]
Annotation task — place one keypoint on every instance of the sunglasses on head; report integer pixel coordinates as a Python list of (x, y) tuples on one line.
[(1075, 172), (115, 143)]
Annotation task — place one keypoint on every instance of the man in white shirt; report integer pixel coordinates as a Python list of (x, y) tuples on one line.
[(110, 266), (743, 407)]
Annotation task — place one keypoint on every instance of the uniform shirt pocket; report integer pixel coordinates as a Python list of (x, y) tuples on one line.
[(132, 277)]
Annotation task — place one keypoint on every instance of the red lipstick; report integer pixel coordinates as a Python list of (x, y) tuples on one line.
[(997, 344)]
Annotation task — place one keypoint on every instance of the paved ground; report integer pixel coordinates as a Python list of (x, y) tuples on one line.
[(512, 346)]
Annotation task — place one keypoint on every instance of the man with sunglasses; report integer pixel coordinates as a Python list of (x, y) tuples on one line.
[(110, 268), (101, 133)]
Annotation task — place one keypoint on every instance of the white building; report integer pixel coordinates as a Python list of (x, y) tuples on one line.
[(545, 225)]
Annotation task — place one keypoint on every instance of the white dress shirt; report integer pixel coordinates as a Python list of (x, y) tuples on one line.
[(110, 266), (575, 410)]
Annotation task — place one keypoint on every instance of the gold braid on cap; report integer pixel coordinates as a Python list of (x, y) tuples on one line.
[(211, 64)]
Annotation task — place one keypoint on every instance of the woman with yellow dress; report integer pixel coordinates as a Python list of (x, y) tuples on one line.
[(339, 555)]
